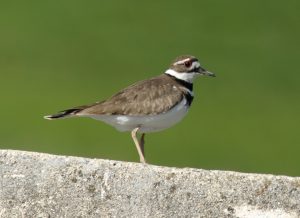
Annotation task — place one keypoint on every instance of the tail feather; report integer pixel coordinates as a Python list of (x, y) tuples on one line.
[(63, 114)]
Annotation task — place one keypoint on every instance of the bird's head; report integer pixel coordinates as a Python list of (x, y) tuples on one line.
[(187, 68)]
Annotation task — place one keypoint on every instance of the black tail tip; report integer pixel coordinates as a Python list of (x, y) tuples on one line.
[(62, 114)]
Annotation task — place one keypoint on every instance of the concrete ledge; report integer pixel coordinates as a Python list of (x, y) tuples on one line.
[(43, 185)]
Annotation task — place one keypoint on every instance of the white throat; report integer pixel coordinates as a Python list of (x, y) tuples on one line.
[(188, 77)]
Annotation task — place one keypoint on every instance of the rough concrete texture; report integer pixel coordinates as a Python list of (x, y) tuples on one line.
[(43, 185)]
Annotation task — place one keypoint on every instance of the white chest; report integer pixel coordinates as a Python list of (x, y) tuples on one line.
[(151, 123)]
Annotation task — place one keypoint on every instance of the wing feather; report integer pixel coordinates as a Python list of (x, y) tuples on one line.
[(147, 97)]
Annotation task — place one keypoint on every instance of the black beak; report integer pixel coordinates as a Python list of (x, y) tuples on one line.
[(204, 72)]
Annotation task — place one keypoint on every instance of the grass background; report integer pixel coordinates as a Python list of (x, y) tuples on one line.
[(59, 54)]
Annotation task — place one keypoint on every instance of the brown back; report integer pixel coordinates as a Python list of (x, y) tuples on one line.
[(148, 97)]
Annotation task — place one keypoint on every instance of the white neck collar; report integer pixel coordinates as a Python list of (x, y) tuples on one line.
[(188, 77)]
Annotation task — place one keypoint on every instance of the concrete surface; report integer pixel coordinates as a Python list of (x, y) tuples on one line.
[(43, 185)]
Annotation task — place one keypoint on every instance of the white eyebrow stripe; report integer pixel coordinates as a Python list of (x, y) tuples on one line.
[(195, 64), (181, 62)]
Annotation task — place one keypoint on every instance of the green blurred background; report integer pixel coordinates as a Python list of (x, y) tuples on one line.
[(59, 54)]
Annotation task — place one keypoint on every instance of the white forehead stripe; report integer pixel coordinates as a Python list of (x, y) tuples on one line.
[(195, 64)]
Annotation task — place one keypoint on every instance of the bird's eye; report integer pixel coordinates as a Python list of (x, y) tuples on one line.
[(188, 63)]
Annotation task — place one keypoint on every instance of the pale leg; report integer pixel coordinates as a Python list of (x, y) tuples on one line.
[(137, 144)]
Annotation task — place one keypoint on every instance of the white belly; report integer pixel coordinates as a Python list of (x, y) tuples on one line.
[(151, 123)]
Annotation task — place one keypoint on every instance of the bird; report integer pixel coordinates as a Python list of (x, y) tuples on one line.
[(146, 106)]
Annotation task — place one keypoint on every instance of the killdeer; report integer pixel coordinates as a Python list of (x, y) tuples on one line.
[(146, 106)]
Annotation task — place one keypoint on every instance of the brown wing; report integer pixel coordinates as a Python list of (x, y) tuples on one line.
[(148, 97)]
